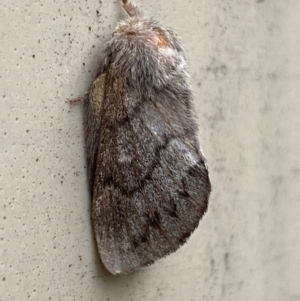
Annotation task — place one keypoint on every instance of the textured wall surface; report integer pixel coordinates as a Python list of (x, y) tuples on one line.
[(245, 71)]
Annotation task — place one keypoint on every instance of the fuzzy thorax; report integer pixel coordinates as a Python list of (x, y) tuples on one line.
[(147, 55)]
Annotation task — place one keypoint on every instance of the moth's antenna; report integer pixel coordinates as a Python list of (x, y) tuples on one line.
[(130, 8)]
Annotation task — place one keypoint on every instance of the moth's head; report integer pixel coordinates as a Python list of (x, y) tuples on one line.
[(157, 40), (146, 39), (149, 32), (143, 50)]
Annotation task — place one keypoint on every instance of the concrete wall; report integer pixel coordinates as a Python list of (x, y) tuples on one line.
[(245, 68)]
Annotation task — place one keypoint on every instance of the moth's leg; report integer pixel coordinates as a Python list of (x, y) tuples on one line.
[(78, 99)]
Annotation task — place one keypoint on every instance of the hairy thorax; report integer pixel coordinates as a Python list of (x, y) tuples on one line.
[(145, 55)]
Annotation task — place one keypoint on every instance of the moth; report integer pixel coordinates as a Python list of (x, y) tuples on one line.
[(148, 178)]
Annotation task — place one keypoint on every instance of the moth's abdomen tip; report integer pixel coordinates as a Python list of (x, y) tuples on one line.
[(111, 266), (116, 272), (120, 272)]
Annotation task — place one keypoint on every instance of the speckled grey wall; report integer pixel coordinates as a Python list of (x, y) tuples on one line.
[(245, 70)]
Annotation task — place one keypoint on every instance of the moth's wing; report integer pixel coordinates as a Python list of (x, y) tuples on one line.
[(152, 185), (92, 116)]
